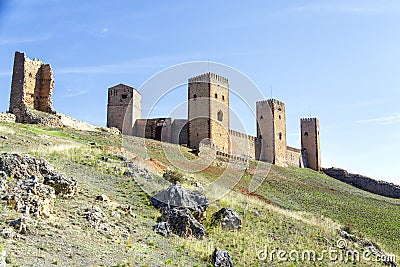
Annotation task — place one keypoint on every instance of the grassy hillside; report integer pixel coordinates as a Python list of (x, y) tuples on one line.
[(294, 209)]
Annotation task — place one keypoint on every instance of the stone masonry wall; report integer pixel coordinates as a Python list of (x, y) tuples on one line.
[(32, 85), (242, 145), (365, 183), (294, 157), (123, 107), (310, 142)]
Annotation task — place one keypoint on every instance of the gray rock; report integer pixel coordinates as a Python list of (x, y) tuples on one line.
[(5, 137), (8, 233), (63, 186), (162, 228), (25, 166), (177, 196), (95, 216), (21, 225), (228, 219), (346, 235), (135, 170), (221, 258), (182, 223), (103, 198), (31, 197)]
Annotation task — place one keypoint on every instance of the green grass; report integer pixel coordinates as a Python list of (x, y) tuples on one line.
[(298, 208)]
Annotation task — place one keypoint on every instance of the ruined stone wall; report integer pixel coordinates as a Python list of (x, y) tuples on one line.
[(310, 142), (365, 183), (271, 131), (242, 145), (157, 129), (124, 108), (32, 85), (294, 157)]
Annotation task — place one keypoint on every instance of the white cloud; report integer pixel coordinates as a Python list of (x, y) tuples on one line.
[(71, 93), (392, 119), (8, 41)]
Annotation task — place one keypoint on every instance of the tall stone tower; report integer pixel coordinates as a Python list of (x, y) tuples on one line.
[(310, 142), (124, 107), (208, 111), (271, 131), (32, 85)]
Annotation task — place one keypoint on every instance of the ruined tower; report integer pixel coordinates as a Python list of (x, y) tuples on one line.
[(124, 107), (208, 111), (32, 85), (271, 131), (310, 142)]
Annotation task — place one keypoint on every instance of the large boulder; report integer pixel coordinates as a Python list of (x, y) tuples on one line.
[(182, 223), (228, 219), (221, 258), (21, 167), (177, 196)]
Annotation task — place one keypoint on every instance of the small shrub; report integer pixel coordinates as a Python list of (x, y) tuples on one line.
[(173, 176)]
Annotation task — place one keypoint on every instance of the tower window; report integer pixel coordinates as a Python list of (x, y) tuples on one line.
[(280, 117), (216, 95), (194, 96), (280, 136), (124, 96), (306, 134), (220, 115), (223, 97), (261, 117)]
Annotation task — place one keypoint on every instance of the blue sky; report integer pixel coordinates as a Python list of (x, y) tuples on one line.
[(339, 60)]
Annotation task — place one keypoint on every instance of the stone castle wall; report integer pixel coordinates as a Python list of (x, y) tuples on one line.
[(310, 142), (294, 157), (365, 183), (31, 87), (123, 108), (271, 130), (242, 145)]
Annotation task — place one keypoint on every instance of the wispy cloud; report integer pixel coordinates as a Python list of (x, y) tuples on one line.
[(12, 41), (72, 93), (392, 119)]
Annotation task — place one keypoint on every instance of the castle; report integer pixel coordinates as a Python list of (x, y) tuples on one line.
[(208, 125)]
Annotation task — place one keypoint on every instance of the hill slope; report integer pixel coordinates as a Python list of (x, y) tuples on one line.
[(294, 209)]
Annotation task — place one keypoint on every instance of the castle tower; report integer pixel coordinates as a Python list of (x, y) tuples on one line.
[(124, 107), (310, 142), (271, 131), (32, 85), (208, 111)]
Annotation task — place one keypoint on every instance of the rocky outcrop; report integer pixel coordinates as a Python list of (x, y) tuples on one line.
[(162, 228), (7, 117), (178, 196), (22, 167), (221, 258), (30, 197), (182, 223), (365, 183), (228, 219)]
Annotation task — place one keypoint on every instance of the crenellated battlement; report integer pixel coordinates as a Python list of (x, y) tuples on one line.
[(210, 77), (242, 135), (308, 119)]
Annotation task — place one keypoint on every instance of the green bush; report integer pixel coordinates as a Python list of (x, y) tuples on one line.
[(173, 176)]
